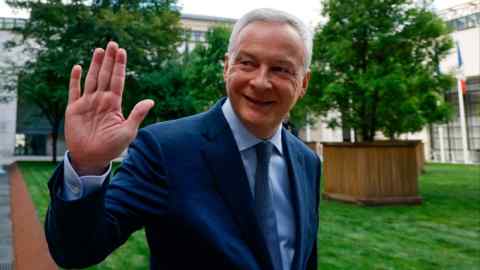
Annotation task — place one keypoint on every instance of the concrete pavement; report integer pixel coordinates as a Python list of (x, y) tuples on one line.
[(6, 246)]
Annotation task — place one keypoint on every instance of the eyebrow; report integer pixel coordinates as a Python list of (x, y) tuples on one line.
[(244, 54), (287, 62)]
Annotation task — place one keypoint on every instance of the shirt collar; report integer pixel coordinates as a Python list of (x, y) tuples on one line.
[(244, 138)]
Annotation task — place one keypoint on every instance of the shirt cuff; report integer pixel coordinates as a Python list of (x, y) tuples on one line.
[(76, 187)]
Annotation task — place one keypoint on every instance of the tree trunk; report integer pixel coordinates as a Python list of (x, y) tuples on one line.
[(364, 134), (345, 128), (373, 116)]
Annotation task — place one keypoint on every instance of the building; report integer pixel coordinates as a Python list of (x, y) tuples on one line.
[(23, 132), (8, 101), (197, 26), (459, 139)]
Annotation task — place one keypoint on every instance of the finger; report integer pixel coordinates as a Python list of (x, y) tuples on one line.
[(107, 67), (74, 86), (118, 76), (138, 113), (92, 75)]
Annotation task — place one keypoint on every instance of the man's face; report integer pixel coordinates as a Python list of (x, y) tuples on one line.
[(264, 75)]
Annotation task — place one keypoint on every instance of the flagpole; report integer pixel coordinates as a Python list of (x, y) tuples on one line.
[(461, 108), (463, 126)]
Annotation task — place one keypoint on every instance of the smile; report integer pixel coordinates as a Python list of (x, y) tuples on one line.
[(258, 102)]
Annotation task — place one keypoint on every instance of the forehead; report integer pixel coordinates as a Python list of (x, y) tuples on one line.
[(276, 41)]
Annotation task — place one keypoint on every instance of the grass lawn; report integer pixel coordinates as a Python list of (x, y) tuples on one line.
[(442, 233)]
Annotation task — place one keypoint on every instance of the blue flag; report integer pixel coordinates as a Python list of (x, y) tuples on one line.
[(459, 55)]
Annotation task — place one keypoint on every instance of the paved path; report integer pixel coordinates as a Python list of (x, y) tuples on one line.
[(30, 246), (6, 250)]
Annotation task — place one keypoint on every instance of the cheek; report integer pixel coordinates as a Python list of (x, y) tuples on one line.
[(236, 83)]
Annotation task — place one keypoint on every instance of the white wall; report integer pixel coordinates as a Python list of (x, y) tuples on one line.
[(8, 111), (469, 42)]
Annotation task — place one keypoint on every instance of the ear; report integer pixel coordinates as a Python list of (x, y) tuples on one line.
[(225, 66), (305, 80)]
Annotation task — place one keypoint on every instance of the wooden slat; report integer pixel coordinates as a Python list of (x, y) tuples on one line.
[(379, 172)]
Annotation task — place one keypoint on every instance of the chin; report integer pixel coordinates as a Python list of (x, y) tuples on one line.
[(255, 118)]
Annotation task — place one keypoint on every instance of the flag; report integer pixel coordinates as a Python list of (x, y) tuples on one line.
[(459, 56), (461, 77)]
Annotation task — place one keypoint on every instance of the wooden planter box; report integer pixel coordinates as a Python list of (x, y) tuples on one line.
[(376, 173)]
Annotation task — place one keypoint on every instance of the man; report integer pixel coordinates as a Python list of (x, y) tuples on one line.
[(225, 189)]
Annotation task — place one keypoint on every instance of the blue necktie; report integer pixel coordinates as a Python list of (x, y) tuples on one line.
[(264, 204)]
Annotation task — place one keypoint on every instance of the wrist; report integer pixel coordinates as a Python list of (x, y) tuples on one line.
[(91, 167)]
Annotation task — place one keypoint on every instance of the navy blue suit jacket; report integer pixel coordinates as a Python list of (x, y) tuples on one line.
[(184, 182)]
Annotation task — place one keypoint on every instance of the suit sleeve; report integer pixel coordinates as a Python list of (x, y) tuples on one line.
[(83, 232), (75, 186), (312, 263)]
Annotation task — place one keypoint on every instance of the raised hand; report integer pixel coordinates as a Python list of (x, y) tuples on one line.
[(95, 130)]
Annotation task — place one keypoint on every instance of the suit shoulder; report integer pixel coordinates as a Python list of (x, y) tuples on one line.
[(301, 146), (178, 128)]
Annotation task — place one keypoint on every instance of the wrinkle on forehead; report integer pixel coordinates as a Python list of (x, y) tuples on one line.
[(252, 37)]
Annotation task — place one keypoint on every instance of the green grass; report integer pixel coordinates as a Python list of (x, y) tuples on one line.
[(442, 233)]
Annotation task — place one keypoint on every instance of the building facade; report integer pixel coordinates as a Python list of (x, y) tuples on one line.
[(8, 99), (458, 140), (197, 27)]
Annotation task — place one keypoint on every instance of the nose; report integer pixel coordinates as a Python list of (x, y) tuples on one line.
[(261, 79)]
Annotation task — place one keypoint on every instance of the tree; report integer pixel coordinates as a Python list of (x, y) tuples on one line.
[(65, 34), (380, 59), (204, 70), (168, 88), (309, 107)]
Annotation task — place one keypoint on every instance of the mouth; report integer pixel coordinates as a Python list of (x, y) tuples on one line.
[(260, 103)]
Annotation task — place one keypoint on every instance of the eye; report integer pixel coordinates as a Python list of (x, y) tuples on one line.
[(246, 62), (282, 70)]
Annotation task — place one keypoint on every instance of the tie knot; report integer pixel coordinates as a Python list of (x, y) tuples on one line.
[(264, 151)]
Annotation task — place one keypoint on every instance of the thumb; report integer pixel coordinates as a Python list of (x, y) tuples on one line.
[(138, 113)]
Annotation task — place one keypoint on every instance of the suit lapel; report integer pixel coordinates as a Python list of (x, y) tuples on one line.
[(225, 163), (296, 168)]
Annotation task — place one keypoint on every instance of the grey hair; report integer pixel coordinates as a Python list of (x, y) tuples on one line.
[(277, 16)]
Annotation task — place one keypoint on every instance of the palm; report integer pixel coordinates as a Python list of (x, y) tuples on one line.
[(95, 130), (98, 132)]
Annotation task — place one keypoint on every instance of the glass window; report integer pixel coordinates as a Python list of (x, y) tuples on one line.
[(461, 24), (20, 23), (198, 36), (8, 23), (470, 21)]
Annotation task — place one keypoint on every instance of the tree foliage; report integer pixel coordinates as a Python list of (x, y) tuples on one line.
[(379, 59), (309, 107), (168, 88), (64, 34), (204, 68)]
